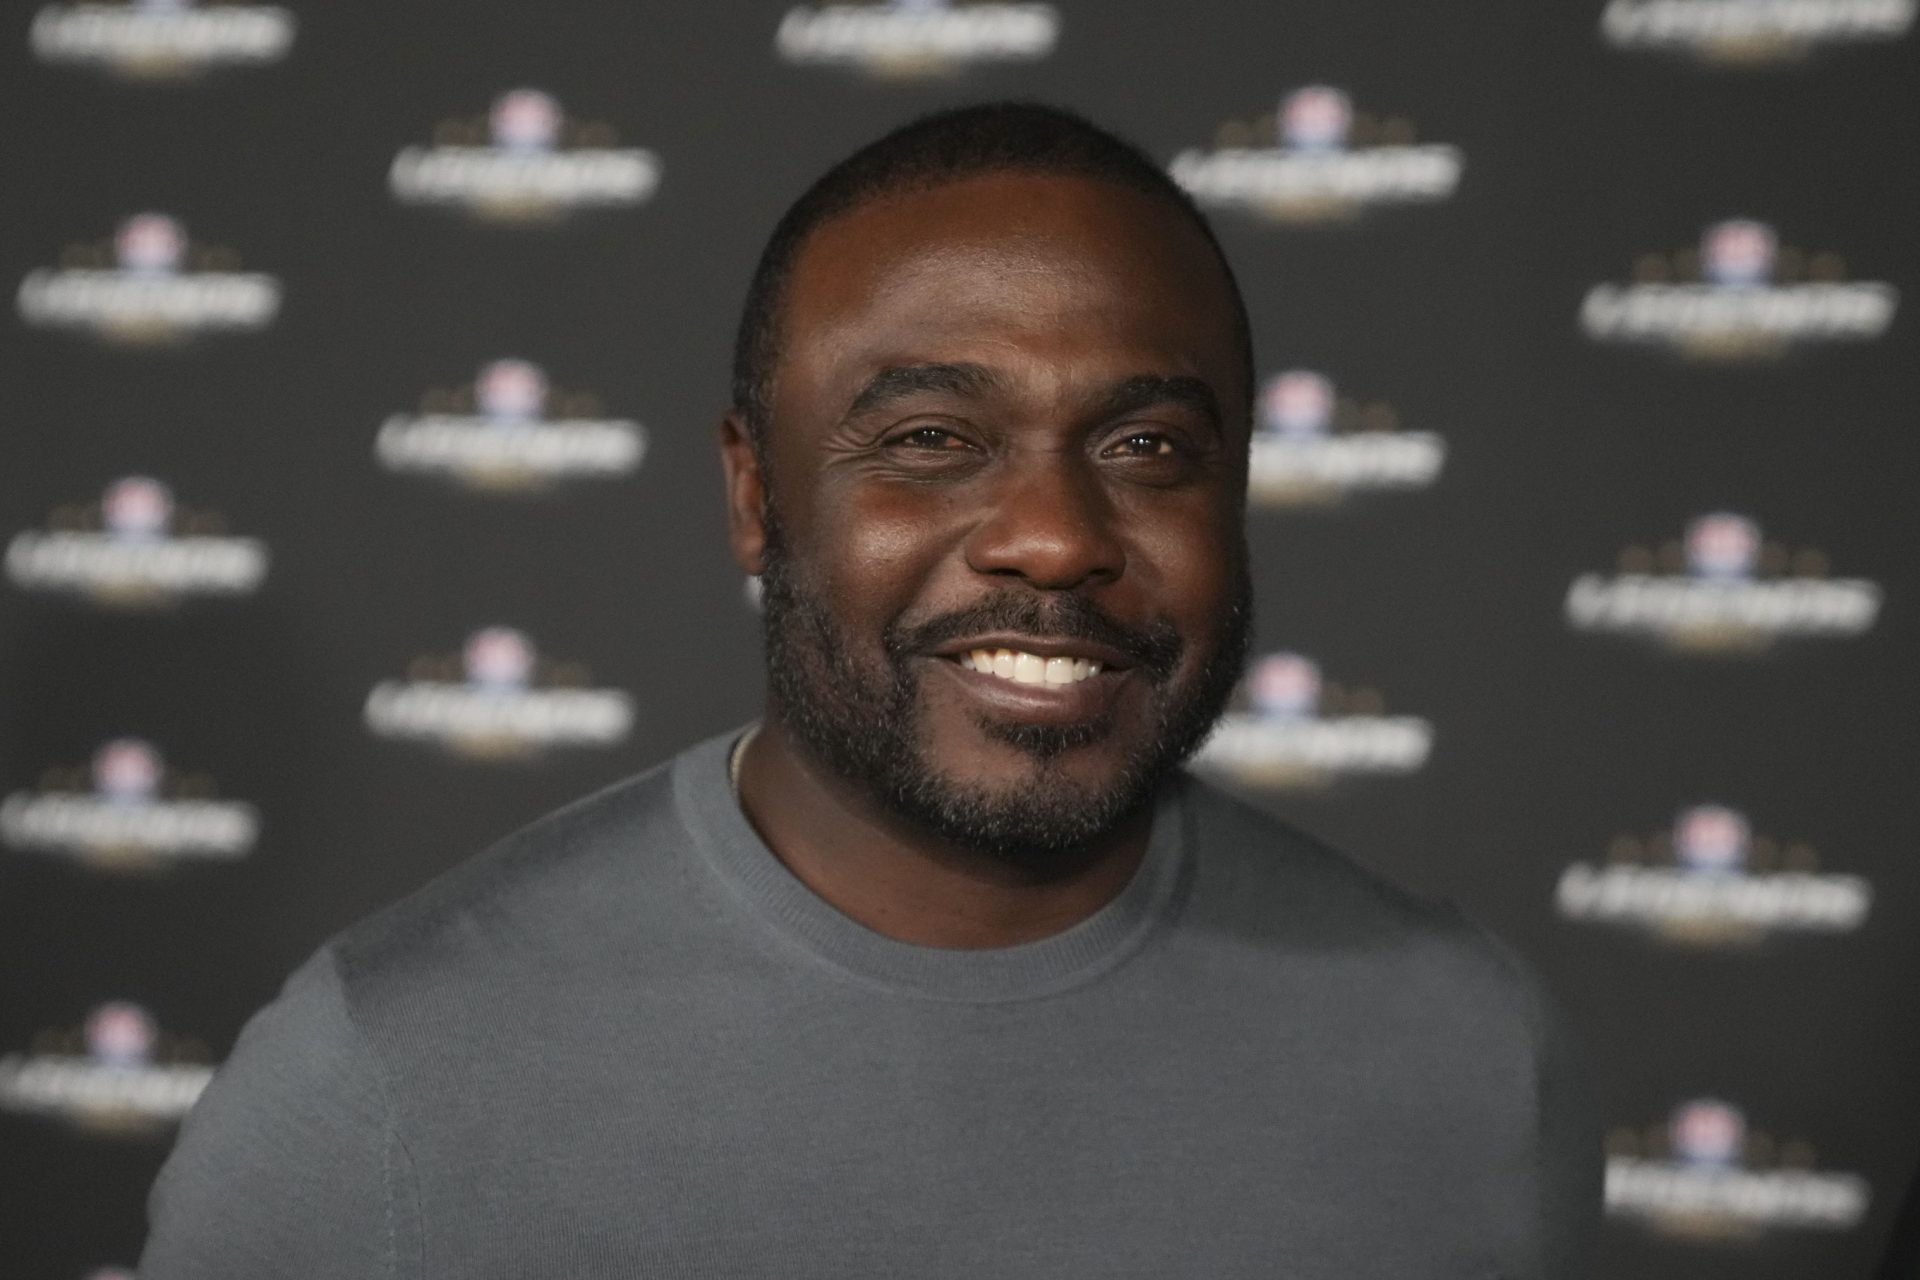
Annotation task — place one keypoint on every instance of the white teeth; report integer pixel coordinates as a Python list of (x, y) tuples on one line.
[(1029, 668)]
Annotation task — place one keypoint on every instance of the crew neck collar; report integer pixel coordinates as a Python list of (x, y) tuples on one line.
[(734, 852)]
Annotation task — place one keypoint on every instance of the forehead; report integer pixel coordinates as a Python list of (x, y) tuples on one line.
[(1055, 273)]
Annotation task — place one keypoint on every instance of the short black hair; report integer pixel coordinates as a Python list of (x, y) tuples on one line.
[(963, 142)]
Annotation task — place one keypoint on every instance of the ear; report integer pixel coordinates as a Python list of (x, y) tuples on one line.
[(746, 494)]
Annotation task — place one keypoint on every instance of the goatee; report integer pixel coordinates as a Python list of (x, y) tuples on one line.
[(866, 726)]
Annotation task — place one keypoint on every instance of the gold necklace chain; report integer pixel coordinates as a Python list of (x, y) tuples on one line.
[(733, 758)]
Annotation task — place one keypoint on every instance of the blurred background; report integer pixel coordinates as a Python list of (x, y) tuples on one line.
[(360, 503)]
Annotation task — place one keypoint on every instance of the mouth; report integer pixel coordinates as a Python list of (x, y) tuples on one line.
[(1036, 679), (1022, 667), (1035, 661)]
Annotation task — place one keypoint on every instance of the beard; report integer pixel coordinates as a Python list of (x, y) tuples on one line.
[(867, 726)]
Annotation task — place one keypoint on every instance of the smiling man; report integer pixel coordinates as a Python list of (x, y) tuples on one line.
[(944, 968)]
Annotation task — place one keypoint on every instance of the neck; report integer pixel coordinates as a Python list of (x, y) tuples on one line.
[(905, 883)]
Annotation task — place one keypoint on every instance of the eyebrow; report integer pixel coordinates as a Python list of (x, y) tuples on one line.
[(1129, 395), (899, 381), (1148, 389)]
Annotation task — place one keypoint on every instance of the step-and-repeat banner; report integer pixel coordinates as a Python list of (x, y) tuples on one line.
[(360, 502)]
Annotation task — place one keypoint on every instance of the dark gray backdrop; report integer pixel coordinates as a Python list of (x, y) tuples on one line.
[(1581, 159)]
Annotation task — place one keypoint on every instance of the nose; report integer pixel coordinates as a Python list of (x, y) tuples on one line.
[(1048, 521)]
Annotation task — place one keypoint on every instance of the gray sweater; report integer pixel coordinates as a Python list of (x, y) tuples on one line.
[(627, 1042)]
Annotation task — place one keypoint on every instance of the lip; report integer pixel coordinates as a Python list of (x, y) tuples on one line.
[(1055, 704), (1109, 658)]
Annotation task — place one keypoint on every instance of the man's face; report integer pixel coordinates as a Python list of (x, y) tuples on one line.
[(1004, 569)]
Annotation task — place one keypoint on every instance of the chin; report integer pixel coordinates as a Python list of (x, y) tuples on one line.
[(1030, 795), (1036, 823)]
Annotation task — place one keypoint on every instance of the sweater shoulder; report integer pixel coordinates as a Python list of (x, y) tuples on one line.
[(593, 869), (1263, 877)]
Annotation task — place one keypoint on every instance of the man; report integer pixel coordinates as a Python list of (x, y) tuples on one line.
[(945, 969)]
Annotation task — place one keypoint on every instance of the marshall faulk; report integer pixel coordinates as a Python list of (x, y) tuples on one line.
[(944, 968)]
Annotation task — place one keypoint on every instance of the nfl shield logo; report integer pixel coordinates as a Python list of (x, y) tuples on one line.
[(513, 390), (1707, 1132), (1297, 403), (525, 120), (1316, 118), (1738, 251), (150, 242), (498, 658), (1285, 685), (1722, 545), (1710, 837), (137, 507), (126, 770), (120, 1034)]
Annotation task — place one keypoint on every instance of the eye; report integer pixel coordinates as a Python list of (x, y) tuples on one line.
[(930, 439), (1144, 444), (1153, 454)]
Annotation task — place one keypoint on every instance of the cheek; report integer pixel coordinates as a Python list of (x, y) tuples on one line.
[(878, 545), (1188, 561)]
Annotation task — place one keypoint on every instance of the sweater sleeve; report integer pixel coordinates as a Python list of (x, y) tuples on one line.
[(289, 1164), (1569, 1165), (1568, 1172)]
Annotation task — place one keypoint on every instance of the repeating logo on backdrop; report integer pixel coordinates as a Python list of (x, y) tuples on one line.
[(1751, 32), (1316, 159), (1741, 295), (524, 160), (1710, 881), (149, 285), (909, 39), (127, 811), (1723, 588), (118, 1073), (498, 697), (136, 549), (161, 39), (510, 430), (1314, 446), (1292, 728), (1707, 1173)]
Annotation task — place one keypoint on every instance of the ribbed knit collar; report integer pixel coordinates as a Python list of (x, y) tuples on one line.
[(734, 852)]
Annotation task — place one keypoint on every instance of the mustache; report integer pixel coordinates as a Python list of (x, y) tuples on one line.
[(1155, 648)]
